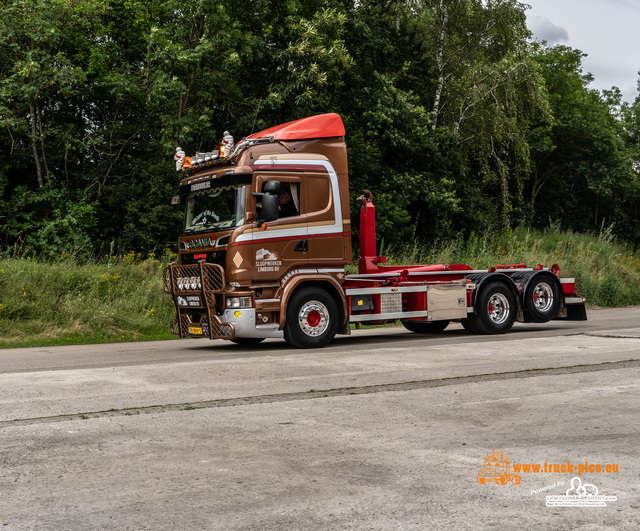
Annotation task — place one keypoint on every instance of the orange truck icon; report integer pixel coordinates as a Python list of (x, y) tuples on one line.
[(497, 469)]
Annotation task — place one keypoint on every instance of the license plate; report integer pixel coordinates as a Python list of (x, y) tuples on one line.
[(195, 330)]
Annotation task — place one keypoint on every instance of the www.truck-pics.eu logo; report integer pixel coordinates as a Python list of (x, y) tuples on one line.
[(497, 469)]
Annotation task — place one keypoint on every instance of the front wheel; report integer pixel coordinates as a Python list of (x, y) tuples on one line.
[(496, 309), (312, 318), (425, 327)]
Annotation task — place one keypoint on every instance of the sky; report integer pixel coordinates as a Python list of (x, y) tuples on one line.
[(607, 30)]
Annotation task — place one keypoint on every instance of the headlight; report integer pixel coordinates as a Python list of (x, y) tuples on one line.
[(188, 283), (239, 302)]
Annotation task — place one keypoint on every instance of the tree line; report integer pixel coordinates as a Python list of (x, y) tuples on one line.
[(456, 119)]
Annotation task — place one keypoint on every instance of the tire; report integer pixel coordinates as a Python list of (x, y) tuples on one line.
[(481, 481), (542, 299), (503, 480), (516, 480), (496, 310), (312, 318), (419, 327), (248, 340)]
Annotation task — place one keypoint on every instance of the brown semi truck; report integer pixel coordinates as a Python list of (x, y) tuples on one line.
[(267, 236)]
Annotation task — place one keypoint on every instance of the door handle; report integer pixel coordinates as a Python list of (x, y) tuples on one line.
[(302, 246)]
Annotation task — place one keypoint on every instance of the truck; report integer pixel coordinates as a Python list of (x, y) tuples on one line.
[(267, 238)]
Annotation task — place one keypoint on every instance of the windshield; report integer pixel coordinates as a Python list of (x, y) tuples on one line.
[(215, 209)]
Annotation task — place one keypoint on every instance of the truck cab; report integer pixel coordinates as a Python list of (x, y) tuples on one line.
[(263, 219)]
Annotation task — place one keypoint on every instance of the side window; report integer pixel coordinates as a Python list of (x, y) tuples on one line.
[(289, 199), (318, 195)]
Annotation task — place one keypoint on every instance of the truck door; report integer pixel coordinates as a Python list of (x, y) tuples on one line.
[(283, 245), (326, 245)]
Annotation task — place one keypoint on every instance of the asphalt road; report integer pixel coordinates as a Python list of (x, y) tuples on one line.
[(381, 430)]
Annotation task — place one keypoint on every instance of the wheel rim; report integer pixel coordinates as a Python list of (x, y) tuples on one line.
[(543, 297), (498, 308), (313, 318)]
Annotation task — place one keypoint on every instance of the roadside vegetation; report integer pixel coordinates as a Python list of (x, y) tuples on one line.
[(63, 301)]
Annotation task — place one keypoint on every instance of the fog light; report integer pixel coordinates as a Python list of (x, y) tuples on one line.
[(237, 314)]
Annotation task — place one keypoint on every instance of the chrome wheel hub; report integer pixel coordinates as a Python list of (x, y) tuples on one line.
[(498, 308), (313, 318), (543, 297)]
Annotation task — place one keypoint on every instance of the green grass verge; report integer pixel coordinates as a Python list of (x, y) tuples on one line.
[(122, 299), (64, 303)]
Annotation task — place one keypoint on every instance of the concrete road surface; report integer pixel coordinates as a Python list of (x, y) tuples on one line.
[(385, 429)]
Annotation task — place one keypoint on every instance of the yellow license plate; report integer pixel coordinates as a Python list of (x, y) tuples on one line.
[(195, 330)]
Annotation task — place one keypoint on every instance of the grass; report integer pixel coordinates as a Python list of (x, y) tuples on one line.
[(122, 298), (63, 303)]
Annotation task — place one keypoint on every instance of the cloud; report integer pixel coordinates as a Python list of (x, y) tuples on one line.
[(545, 30)]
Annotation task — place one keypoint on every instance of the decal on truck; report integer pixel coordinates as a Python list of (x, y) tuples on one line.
[(267, 261), (265, 254)]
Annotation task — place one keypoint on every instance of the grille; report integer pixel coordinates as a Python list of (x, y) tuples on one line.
[(213, 276)]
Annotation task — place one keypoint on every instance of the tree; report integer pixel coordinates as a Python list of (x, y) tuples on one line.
[(581, 166)]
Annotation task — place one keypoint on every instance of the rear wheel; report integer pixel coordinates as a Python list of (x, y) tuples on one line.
[(496, 310), (312, 318), (425, 327), (542, 299)]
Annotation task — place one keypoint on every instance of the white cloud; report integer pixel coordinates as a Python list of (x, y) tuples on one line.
[(545, 30), (605, 30)]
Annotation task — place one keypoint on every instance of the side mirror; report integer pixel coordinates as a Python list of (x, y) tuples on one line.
[(175, 200), (271, 187), (270, 203), (270, 207)]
